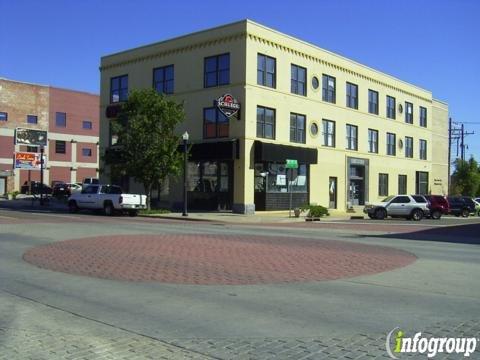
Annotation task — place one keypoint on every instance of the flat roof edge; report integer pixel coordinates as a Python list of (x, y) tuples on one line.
[(176, 38), (316, 47)]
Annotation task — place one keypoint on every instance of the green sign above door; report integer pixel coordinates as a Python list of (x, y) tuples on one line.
[(291, 164)]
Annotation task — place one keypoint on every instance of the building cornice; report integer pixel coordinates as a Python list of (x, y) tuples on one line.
[(177, 50), (313, 58)]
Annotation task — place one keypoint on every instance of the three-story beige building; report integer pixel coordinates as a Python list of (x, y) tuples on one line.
[(356, 134)]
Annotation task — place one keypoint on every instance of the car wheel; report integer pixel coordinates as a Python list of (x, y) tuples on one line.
[(72, 206), (380, 214), (436, 214), (465, 213), (133, 213), (108, 209), (417, 215)]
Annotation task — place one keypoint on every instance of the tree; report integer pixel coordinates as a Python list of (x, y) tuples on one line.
[(146, 140), (466, 177)]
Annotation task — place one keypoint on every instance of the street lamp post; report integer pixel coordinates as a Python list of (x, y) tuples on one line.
[(41, 175), (185, 141)]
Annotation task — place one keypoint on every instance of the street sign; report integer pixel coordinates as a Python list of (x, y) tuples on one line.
[(291, 164)]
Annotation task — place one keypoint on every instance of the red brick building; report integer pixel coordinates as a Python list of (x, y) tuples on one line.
[(72, 121)]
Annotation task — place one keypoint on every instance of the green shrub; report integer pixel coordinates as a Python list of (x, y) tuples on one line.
[(14, 194), (154, 211), (315, 210)]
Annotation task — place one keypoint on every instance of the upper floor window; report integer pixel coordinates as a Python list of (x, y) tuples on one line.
[(87, 152), (391, 147), (423, 116), (373, 102), (298, 80), (328, 88), (266, 70), (215, 123), (297, 128), (372, 141), (163, 79), (87, 124), (265, 122), (119, 89), (408, 147), (352, 95), (32, 148), (423, 149), (3, 116), (408, 112), (352, 137), (217, 70), (391, 107), (60, 147), (60, 119), (32, 119), (328, 133)]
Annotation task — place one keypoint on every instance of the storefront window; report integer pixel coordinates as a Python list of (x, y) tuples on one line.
[(274, 177), (208, 177)]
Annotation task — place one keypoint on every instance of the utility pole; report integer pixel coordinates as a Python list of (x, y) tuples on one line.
[(462, 144)]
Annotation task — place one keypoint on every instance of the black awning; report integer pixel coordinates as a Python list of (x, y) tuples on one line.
[(280, 153), (220, 150)]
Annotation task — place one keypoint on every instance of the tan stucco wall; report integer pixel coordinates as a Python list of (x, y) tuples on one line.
[(243, 40)]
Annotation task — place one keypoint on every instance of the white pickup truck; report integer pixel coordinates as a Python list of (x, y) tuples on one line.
[(108, 198)]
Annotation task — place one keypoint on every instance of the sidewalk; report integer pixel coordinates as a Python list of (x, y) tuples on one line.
[(29, 203), (258, 217)]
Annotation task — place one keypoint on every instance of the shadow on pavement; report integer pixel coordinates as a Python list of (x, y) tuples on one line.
[(461, 234)]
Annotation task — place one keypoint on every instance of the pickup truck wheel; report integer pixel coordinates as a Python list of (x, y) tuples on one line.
[(417, 215), (133, 213), (380, 214), (108, 209), (436, 214), (465, 213), (72, 206)]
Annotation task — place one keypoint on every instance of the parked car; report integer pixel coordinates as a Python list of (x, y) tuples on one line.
[(477, 207), (34, 188), (461, 205), (108, 198), (438, 206), (90, 181), (65, 189), (412, 207)]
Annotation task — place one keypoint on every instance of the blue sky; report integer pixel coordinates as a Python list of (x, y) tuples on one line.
[(432, 44)]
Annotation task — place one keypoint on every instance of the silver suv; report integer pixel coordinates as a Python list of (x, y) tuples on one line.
[(411, 207)]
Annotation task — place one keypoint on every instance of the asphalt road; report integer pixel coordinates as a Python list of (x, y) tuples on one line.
[(49, 314)]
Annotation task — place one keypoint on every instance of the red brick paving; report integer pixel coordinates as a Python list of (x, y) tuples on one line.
[(215, 259)]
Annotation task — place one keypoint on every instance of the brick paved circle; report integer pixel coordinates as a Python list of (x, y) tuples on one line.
[(215, 259)]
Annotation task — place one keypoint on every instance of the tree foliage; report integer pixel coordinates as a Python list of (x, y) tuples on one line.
[(146, 139), (466, 178)]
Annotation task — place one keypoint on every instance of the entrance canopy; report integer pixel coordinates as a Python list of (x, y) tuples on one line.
[(267, 152)]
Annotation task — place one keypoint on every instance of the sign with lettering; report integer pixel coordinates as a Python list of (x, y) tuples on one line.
[(228, 105), (28, 161)]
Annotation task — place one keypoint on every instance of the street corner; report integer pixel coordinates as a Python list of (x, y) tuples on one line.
[(215, 259)]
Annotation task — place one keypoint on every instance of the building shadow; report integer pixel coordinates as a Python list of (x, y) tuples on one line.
[(461, 234)]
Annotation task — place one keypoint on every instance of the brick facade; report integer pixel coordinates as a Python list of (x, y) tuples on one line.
[(19, 100)]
